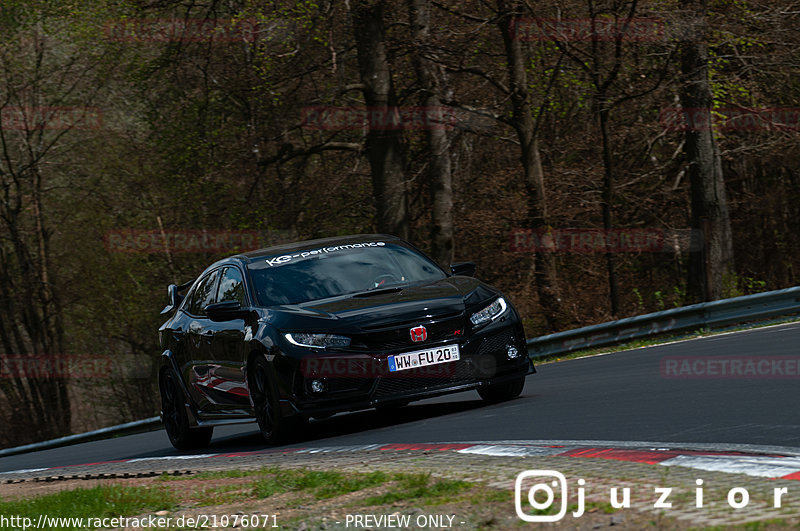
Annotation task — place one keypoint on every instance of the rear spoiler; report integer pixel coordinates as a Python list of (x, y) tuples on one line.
[(175, 298)]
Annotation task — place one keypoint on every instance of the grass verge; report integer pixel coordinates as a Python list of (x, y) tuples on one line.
[(101, 501)]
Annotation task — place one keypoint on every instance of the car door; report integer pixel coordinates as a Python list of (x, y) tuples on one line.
[(228, 343), (200, 369)]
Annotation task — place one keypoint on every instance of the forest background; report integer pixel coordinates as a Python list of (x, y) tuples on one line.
[(597, 159)]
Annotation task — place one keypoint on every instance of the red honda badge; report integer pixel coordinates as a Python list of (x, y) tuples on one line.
[(419, 333)]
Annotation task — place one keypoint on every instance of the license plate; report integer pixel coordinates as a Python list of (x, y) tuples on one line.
[(423, 358)]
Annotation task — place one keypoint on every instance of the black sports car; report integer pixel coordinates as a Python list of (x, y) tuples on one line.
[(319, 327)]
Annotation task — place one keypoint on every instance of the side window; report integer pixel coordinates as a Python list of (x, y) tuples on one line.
[(204, 294), (231, 286)]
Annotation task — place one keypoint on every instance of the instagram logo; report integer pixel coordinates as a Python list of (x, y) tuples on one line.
[(542, 496)]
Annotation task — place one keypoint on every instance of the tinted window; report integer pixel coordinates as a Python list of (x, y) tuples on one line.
[(203, 294), (231, 287), (338, 270)]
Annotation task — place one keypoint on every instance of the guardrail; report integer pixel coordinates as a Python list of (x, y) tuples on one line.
[(723, 312), (708, 314), (102, 433)]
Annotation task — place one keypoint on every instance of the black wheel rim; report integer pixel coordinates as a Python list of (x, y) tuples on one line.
[(261, 401), (169, 406)]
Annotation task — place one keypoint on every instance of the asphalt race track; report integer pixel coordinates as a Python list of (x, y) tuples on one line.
[(616, 397)]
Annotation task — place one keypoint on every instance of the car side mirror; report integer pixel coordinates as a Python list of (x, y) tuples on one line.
[(466, 269), (225, 311), (174, 299)]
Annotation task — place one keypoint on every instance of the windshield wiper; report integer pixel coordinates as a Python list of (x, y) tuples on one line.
[(375, 291)]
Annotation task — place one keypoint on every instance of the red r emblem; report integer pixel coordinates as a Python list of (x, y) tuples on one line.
[(419, 333)]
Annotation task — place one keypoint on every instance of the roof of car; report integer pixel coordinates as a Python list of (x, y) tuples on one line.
[(287, 248)]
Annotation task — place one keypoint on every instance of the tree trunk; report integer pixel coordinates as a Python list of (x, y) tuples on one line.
[(608, 198), (522, 121), (384, 145), (711, 261), (430, 78)]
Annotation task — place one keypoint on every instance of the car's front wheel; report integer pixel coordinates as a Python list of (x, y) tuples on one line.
[(265, 402), (176, 421), (502, 391)]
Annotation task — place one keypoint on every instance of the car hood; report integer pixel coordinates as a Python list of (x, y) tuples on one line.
[(445, 298)]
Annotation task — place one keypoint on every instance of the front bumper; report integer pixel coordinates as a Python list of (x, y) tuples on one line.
[(484, 361)]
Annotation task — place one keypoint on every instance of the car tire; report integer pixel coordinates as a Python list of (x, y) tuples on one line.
[(175, 418), (503, 391), (266, 404)]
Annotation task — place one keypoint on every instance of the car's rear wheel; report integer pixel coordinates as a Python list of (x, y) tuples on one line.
[(176, 420), (503, 391), (265, 402)]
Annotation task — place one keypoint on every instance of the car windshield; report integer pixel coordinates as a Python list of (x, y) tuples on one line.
[(335, 270)]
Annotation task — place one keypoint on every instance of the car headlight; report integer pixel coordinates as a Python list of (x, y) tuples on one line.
[(302, 339), (490, 313)]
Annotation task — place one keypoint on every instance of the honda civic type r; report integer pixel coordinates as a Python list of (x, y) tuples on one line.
[(319, 327)]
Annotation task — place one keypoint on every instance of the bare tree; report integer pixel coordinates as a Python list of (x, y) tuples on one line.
[(712, 261), (522, 121), (604, 67), (384, 145), (430, 76)]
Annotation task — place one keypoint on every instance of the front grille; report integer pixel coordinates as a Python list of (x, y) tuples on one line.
[(398, 337), (456, 373), (409, 324)]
